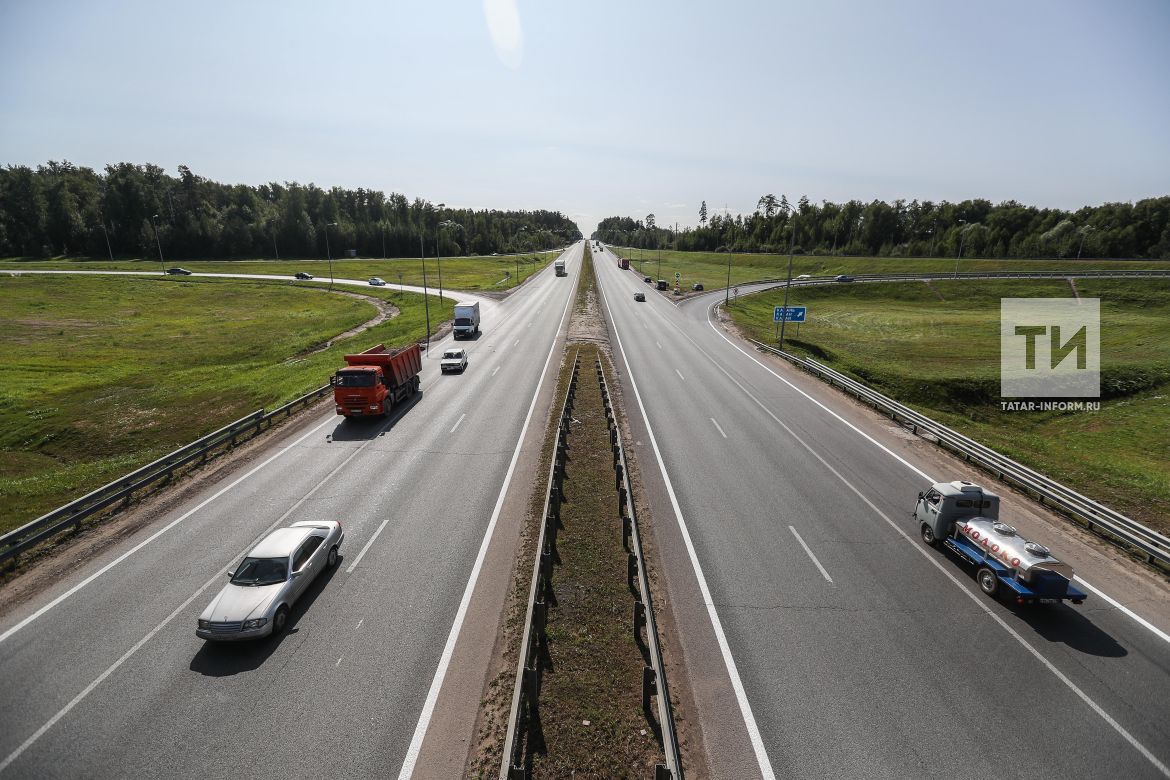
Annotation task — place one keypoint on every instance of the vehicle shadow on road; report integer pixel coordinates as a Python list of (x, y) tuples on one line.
[(366, 428), (1067, 625), (224, 659)]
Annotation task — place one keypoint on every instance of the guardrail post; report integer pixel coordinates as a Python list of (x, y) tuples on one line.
[(631, 568), (660, 772), (626, 529), (639, 617), (648, 682)]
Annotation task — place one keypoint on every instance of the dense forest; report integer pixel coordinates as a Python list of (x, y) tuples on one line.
[(973, 228), (60, 209)]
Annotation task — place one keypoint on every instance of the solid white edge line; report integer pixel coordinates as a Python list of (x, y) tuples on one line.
[(457, 422), (977, 599), (1122, 608), (428, 710), (153, 536), (1111, 601), (745, 707), (824, 573), (15, 754), (718, 427)]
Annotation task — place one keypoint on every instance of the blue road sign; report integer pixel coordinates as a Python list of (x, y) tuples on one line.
[(794, 314)]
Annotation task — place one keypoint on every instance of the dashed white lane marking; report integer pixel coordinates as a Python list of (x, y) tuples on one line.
[(680, 376), (718, 427), (494, 370), (456, 425), (824, 573)]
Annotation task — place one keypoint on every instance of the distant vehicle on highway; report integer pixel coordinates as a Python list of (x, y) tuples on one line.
[(662, 285), (804, 276), (639, 296), (453, 360), (376, 282), (696, 286), (179, 271), (842, 278), (303, 276), (273, 575), (647, 280)]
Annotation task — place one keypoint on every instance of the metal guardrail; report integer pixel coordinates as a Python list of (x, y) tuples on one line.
[(525, 694), (122, 490), (526, 690), (653, 676), (1100, 519), (930, 276)]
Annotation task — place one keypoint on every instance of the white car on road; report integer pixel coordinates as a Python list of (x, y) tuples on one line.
[(266, 584), (376, 282), (453, 360)]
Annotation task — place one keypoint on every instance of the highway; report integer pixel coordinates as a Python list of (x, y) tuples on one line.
[(823, 639), (103, 676)]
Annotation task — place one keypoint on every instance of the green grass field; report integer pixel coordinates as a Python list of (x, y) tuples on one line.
[(941, 356), (458, 273), (710, 268), (101, 375)]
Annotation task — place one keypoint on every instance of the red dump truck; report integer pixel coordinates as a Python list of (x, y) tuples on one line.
[(374, 380)]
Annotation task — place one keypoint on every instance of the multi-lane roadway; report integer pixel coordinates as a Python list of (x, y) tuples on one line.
[(823, 638), (817, 636), (103, 676)]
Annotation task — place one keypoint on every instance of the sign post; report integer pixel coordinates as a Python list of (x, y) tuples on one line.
[(786, 314)]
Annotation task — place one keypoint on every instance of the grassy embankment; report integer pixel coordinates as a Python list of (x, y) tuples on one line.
[(101, 375), (459, 273), (942, 358), (710, 268)]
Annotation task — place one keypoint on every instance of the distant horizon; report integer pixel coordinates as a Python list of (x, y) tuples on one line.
[(607, 109)]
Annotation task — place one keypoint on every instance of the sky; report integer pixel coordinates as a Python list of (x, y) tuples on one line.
[(604, 108)]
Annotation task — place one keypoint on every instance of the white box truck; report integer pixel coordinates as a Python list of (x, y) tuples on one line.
[(559, 265), (466, 320)]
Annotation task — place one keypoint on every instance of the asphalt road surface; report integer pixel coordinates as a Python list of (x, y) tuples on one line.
[(103, 676), (846, 648)]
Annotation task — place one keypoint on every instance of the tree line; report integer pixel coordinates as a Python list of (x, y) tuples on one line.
[(129, 210), (972, 228)]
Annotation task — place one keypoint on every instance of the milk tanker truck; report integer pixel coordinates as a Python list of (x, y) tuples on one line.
[(964, 518)]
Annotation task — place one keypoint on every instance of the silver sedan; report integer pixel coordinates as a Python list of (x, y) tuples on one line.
[(273, 575)]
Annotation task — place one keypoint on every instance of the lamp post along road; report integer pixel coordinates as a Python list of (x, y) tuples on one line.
[(426, 297), (162, 264), (109, 248), (962, 238), (329, 252), (445, 223)]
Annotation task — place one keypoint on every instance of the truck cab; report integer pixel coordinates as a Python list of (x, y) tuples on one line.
[(964, 518)]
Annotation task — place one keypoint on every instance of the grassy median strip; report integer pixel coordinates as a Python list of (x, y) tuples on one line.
[(590, 720)]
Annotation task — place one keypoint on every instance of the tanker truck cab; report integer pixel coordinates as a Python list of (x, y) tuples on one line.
[(964, 518)]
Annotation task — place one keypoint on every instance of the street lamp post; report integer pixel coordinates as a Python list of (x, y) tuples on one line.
[(422, 253), (274, 249), (329, 252), (727, 292), (962, 238), (443, 224), (788, 284), (1084, 232), (109, 248), (162, 264)]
